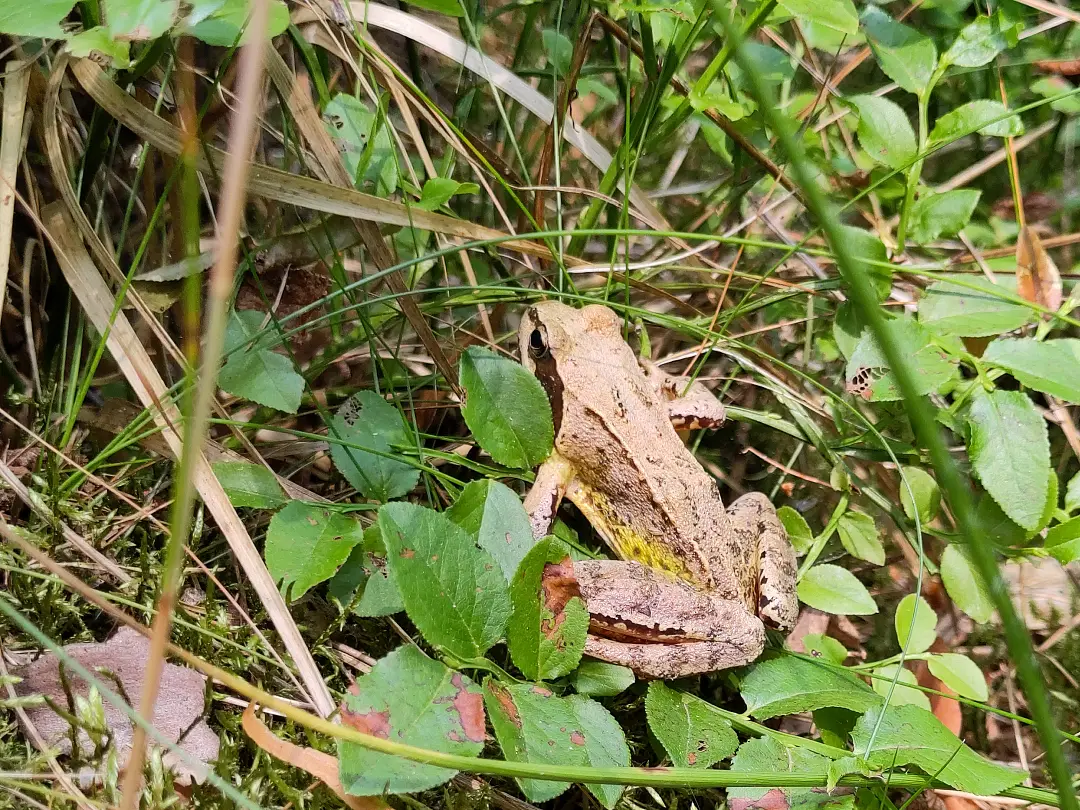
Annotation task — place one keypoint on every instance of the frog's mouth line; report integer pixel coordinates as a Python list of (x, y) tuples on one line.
[(631, 633)]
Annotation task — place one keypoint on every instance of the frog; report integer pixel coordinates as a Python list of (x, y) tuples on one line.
[(695, 583)]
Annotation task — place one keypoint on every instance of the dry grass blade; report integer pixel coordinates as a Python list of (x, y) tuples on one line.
[(1053, 9), (1037, 276), (15, 87), (97, 301)]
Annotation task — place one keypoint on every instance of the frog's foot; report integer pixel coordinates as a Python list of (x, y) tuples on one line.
[(542, 502), (691, 406), (668, 661), (777, 601)]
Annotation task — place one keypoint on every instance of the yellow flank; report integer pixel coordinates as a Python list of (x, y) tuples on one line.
[(625, 541)]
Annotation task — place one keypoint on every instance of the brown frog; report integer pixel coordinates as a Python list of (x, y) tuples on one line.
[(696, 582)]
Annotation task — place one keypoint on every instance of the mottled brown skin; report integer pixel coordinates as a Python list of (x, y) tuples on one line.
[(696, 581)]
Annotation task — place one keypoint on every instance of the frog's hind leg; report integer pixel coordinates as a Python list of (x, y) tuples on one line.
[(691, 406), (777, 602), (670, 661)]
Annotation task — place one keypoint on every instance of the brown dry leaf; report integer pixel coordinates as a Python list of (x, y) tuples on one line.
[(1037, 277), (320, 765), (1062, 67), (122, 661), (1038, 206)]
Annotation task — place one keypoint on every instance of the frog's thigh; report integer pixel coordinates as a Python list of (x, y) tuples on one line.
[(542, 502), (778, 604), (676, 660), (691, 406)]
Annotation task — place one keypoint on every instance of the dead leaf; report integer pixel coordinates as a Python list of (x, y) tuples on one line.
[(1062, 67), (1037, 277), (1038, 206), (320, 765), (121, 660)]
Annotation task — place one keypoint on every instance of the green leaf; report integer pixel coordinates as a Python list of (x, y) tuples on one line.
[(558, 48), (869, 254), (223, 26), (412, 699), (1010, 452), (691, 731), (1072, 494), (1052, 86), (859, 535), (769, 755), (1063, 541), (366, 569), (927, 494), (601, 679), (848, 327), (98, 42), (534, 725), (250, 485), (916, 624), (980, 41), (438, 190), (454, 592), (985, 116), (493, 516), (798, 531), (306, 544), (717, 97), (362, 436), (41, 19), (833, 589), (965, 585), (885, 131), (1050, 366), (252, 370), (505, 408), (904, 692), (945, 214), (792, 684), (960, 674), (825, 647), (908, 735), (139, 19), (906, 56), (839, 15), (451, 8), (950, 309), (363, 137), (933, 368), (549, 623)]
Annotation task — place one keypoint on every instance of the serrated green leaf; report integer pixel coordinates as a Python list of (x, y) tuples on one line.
[(983, 115), (798, 531), (549, 622), (980, 41), (250, 485), (367, 571), (130, 20), (933, 367), (306, 544), (904, 691), (915, 623), (601, 679), (908, 735), (906, 56), (98, 42), (363, 138), (496, 520), (253, 371), (415, 700), (859, 535), (1072, 494), (825, 647), (769, 755), (833, 589), (927, 495), (691, 731), (1010, 453), (944, 214), (950, 309), (505, 408), (362, 435), (1050, 366), (1063, 542), (534, 725), (960, 674), (839, 15), (964, 584), (885, 131), (453, 591), (792, 684), (40, 19)]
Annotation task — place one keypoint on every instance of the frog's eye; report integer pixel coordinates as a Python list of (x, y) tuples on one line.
[(538, 346)]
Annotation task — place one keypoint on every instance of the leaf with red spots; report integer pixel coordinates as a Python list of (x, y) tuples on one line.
[(409, 698), (768, 755), (547, 629), (453, 591), (534, 725), (691, 731), (306, 544)]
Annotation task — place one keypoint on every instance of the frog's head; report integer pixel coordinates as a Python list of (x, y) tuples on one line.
[(550, 331)]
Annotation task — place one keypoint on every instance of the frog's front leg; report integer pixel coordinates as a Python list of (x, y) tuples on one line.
[(662, 627), (542, 502), (753, 519), (691, 406)]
